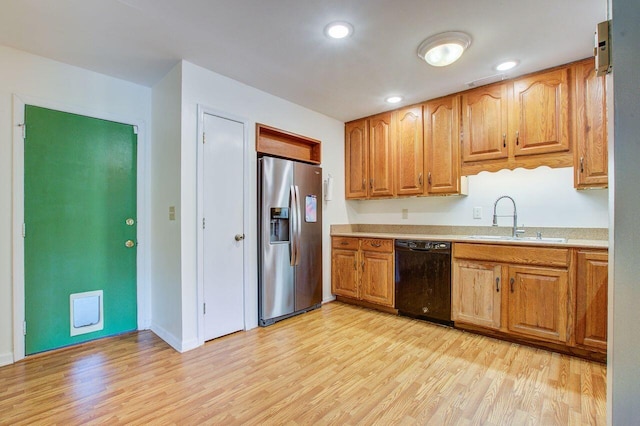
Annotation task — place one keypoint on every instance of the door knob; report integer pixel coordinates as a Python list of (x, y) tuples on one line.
[(239, 237), (129, 243)]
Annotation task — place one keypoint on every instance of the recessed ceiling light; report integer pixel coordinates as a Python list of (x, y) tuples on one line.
[(506, 65), (338, 30), (445, 48), (393, 99)]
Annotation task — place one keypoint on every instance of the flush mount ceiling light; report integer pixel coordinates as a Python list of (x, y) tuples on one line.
[(445, 48), (507, 65), (338, 30), (393, 99)]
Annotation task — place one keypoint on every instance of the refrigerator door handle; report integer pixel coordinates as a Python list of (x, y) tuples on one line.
[(294, 226), (298, 225)]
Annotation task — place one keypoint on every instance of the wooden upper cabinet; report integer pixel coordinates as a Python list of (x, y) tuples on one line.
[(409, 179), (484, 123), (592, 299), (442, 145), (380, 155), (356, 159), (539, 121), (591, 158)]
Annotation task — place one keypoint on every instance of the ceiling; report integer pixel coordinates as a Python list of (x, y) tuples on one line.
[(278, 46)]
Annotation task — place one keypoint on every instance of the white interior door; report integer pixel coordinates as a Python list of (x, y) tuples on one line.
[(223, 234)]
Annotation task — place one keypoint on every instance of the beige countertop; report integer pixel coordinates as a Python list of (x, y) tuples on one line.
[(575, 237)]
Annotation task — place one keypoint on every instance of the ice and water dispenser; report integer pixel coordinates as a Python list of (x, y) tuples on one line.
[(279, 224)]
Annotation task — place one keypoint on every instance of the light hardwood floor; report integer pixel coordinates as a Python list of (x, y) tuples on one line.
[(337, 365)]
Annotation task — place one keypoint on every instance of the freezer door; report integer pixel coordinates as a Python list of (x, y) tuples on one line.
[(276, 278), (308, 271)]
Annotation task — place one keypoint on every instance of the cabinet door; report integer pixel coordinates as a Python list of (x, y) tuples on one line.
[(476, 293), (409, 153), (344, 272), (484, 123), (380, 156), (377, 278), (356, 158), (441, 141), (591, 299), (538, 303), (540, 113), (591, 159)]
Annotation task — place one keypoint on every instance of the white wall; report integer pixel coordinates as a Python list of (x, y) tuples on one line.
[(39, 80), (623, 371), (231, 98), (545, 197), (165, 192)]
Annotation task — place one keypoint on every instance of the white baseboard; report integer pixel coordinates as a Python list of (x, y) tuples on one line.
[(6, 358), (172, 340), (329, 299)]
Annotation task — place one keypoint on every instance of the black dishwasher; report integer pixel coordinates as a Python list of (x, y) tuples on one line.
[(423, 280)]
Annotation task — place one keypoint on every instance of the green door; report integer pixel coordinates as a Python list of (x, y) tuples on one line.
[(79, 213)]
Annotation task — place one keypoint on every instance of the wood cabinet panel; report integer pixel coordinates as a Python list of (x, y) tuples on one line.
[(543, 256), (592, 299), (442, 145), (540, 113), (538, 303), (409, 151), (484, 123), (380, 156), (476, 293), (362, 269), (344, 272), (377, 278), (591, 157), (356, 159)]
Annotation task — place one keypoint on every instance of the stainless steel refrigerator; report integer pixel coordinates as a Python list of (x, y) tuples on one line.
[(290, 242)]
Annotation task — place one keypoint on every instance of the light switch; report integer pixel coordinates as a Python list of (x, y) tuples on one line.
[(477, 212), (172, 212)]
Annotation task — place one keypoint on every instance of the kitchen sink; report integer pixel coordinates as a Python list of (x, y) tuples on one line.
[(525, 239)]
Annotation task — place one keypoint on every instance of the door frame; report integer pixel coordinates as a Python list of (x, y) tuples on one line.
[(142, 263), (249, 241)]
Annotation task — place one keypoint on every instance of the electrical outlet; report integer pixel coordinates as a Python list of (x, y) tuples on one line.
[(405, 213), (477, 212)]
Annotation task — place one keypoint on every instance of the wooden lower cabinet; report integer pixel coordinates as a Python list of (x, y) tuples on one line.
[(549, 296), (475, 293), (591, 299), (538, 305), (362, 269)]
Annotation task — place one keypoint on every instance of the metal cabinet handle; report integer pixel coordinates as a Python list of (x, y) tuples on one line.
[(371, 183), (364, 184), (512, 281), (355, 265), (498, 285), (429, 178), (517, 137), (363, 266), (420, 180), (376, 245), (344, 243), (581, 164), (504, 140)]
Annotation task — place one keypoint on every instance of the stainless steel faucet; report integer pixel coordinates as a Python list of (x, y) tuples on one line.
[(515, 231)]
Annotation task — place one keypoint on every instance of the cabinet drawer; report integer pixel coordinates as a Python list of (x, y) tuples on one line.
[(541, 256), (371, 244), (347, 243)]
